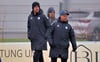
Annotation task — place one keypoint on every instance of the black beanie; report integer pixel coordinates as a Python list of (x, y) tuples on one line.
[(35, 4)]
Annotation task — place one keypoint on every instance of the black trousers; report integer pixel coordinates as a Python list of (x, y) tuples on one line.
[(55, 60), (38, 56)]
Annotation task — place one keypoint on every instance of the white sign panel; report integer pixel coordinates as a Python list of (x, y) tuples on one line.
[(21, 52)]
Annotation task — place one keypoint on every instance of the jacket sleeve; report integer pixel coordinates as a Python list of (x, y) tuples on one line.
[(47, 25), (28, 28), (72, 39), (46, 22), (50, 35), (49, 31)]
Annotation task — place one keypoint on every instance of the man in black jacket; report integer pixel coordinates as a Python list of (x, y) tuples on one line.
[(59, 36), (37, 27)]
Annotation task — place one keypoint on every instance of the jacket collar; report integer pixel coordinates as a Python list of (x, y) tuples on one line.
[(59, 20), (40, 12)]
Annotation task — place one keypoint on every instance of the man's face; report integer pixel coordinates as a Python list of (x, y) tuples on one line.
[(64, 18), (36, 9), (52, 15)]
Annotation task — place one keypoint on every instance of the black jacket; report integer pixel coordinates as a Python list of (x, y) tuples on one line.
[(59, 36), (37, 27)]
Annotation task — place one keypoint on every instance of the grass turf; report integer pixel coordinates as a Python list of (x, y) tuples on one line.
[(14, 40)]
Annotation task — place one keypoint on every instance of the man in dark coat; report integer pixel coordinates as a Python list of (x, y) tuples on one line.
[(37, 27), (59, 36), (51, 15)]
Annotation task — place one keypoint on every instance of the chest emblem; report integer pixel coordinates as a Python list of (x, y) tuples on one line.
[(31, 18), (38, 18), (66, 27), (58, 25)]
